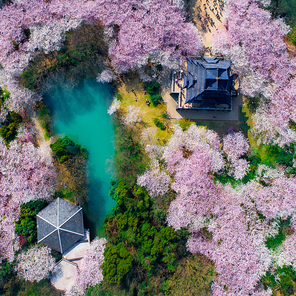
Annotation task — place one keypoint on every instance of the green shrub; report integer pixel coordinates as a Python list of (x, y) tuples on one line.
[(284, 9), (292, 35), (44, 117), (282, 279), (132, 221), (155, 99), (164, 115), (292, 125), (159, 67), (130, 157), (152, 87), (56, 255), (252, 104), (117, 264), (83, 152), (66, 193), (119, 97), (193, 276), (159, 124), (3, 96), (65, 147), (17, 287), (282, 155), (46, 136), (63, 158), (225, 178), (8, 130), (6, 270)]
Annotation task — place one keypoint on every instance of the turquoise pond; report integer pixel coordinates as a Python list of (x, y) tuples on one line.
[(81, 114)]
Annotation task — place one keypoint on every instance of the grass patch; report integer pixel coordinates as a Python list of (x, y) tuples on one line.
[(44, 117), (150, 112), (65, 193), (193, 276), (284, 230), (185, 123)]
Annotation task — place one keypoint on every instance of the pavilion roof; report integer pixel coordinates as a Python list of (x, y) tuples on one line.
[(208, 81), (60, 225)]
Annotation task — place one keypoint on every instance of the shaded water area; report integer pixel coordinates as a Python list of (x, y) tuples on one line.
[(80, 113)]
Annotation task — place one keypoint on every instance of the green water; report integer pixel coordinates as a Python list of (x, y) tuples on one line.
[(81, 114)]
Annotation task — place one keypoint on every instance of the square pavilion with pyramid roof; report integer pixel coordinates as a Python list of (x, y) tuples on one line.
[(60, 225)]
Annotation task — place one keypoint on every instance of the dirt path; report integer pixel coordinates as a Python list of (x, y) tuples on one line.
[(203, 14), (38, 129)]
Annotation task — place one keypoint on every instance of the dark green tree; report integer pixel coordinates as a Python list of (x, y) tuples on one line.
[(26, 225)]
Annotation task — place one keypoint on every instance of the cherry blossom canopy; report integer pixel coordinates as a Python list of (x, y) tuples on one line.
[(60, 225), (208, 82)]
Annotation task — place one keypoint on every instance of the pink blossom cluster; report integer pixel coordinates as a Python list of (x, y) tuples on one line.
[(235, 145), (132, 116), (155, 181), (278, 200), (224, 222), (282, 109), (19, 97), (114, 106), (26, 173), (194, 138), (90, 272), (251, 28), (255, 43), (140, 28), (106, 76), (191, 156), (35, 263)]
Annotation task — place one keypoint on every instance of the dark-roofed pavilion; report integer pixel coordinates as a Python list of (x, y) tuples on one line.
[(208, 84), (60, 225)]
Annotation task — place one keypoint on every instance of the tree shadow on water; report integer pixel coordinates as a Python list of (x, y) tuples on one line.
[(66, 102), (95, 208)]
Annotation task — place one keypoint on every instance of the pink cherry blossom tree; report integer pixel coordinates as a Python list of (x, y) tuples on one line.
[(140, 29), (90, 272), (26, 173), (106, 76), (235, 145), (114, 106), (132, 116), (155, 181), (255, 43), (226, 223), (34, 264)]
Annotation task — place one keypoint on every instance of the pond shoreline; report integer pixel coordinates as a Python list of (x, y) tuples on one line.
[(81, 114)]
